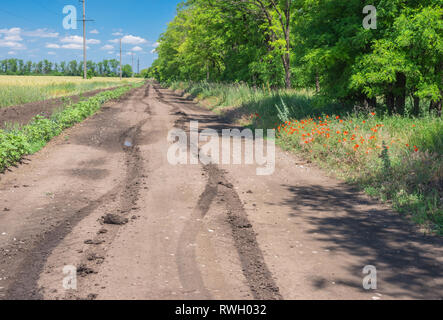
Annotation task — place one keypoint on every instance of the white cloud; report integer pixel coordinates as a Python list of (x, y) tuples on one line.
[(130, 39), (155, 45), (11, 44), (117, 34), (78, 40), (14, 34), (73, 46), (52, 53), (107, 47), (11, 31), (13, 37), (95, 31), (41, 33), (12, 53), (137, 48), (153, 51), (52, 46), (110, 52)]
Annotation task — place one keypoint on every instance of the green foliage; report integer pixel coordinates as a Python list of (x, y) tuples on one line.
[(126, 71), (105, 68), (17, 142), (90, 74), (323, 42)]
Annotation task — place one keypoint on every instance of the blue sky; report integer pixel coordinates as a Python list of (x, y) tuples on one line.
[(33, 29)]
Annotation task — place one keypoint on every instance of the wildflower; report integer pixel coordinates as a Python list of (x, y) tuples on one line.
[(337, 117), (356, 147)]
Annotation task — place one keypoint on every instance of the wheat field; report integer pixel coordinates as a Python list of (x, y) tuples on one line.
[(16, 90)]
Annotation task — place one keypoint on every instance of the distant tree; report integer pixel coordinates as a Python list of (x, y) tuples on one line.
[(127, 71)]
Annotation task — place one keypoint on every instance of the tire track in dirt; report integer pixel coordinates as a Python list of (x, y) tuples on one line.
[(129, 192), (26, 284), (254, 267)]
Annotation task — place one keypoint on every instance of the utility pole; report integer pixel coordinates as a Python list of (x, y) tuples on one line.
[(138, 66), (132, 55), (85, 72), (121, 71)]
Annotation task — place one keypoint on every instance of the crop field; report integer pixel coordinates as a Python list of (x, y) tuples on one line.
[(15, 90)]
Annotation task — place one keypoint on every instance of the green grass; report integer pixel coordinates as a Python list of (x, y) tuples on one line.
[(401, 162), (17, 142)]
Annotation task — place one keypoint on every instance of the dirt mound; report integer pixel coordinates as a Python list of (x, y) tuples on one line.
[(114, 219)]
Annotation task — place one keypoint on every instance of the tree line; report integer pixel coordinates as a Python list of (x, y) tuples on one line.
[(312, 44), (105, 68)]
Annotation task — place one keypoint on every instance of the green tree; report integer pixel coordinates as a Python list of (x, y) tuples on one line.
[(127, 71)]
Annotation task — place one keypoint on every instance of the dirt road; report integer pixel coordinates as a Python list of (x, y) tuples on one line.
[(194, 231)]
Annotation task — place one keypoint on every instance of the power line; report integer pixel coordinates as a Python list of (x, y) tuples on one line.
[(35, 23), (47, 9)]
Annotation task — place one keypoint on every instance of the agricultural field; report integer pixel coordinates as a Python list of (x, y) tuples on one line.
[(15, 90)]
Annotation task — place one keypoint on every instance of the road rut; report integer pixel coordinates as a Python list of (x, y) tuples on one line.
[(194, 231)]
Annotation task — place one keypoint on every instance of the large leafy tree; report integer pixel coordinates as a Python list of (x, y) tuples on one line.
[(317, 44)]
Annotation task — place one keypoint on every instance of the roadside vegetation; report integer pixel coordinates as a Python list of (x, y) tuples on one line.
[(396, 159), (16, 142), (15, 90), (364, 102)]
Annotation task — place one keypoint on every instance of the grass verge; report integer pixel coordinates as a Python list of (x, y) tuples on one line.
[(397, 159), (20, 141)]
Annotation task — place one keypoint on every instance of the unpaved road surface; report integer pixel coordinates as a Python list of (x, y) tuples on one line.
[(194, 231)]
